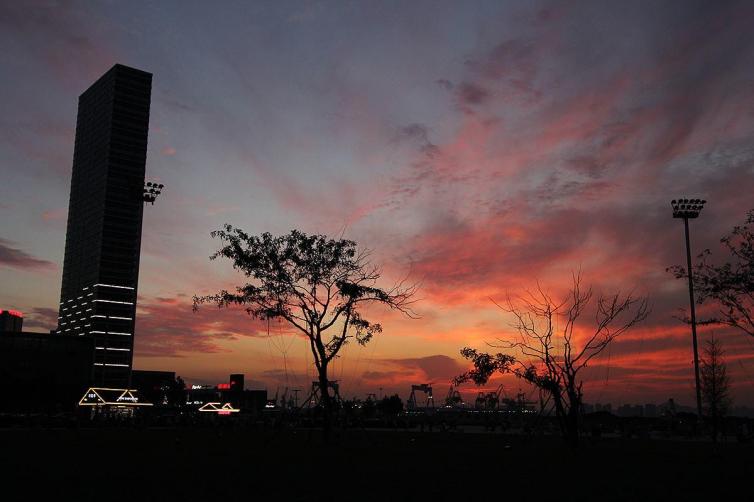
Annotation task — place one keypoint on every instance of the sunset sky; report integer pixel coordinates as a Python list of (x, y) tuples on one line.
[(477, 147)]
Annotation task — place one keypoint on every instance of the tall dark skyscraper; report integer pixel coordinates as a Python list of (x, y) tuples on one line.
[(103, 240)]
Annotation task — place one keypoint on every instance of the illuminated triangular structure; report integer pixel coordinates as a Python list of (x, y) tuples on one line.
[(210, 407), (225, 409), (91, 398), (127, 397), (229, 408), (101, 396)]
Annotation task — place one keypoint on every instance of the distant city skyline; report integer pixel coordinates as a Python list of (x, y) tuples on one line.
[(478, 150)]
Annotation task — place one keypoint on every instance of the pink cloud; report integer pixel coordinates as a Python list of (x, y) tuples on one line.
[(170, 327)]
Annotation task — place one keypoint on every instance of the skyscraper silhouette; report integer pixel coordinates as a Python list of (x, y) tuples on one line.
[(103, 239)]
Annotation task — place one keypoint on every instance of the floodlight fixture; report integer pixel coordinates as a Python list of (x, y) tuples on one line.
[(687, 208), (151, 191)]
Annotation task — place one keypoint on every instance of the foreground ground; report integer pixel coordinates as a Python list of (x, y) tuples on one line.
[(216, 463)]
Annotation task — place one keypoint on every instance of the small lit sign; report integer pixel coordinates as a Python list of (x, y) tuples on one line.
[(223, 386)]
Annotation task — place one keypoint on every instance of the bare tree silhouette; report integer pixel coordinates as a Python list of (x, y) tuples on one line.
[(730, 285), (552, 352), (318, 285)]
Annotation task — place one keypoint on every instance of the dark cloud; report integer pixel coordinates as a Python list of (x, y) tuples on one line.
[(283, 377), (416, 131), (588, 166), (437, 367), (12, 257), (445, 84), (41, 318), (380, 376), (167, 98), (471, 94), (420, 133), (510, 67)]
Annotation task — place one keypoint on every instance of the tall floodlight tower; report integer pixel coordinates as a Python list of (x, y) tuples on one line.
[(686, 209), (103, 239)]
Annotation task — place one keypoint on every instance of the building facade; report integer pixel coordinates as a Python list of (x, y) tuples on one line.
[(103, 238)]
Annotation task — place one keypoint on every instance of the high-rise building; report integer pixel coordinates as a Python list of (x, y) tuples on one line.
[(103, 239)]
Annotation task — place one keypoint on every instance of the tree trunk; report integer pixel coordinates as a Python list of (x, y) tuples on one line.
[(572, 427), (573, 418), (326, 402), (560, 412)]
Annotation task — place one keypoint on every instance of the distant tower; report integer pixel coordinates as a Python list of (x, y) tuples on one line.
[(103, 239)]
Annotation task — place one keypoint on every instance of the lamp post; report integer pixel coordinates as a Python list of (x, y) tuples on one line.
[(687, 209)]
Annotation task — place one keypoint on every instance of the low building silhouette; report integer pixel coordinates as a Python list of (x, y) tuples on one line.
[(11, 321), (233, 392), (41, 372), (156, 387)]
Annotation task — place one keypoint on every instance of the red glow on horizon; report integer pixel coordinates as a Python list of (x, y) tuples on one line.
[(16, 313)]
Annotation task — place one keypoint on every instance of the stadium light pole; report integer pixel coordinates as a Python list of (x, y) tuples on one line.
[(687, 209)]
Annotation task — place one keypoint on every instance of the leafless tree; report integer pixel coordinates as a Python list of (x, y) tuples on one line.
[(552, 346)]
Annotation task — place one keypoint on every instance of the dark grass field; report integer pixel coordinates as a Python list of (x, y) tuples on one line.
[(226, 464)]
